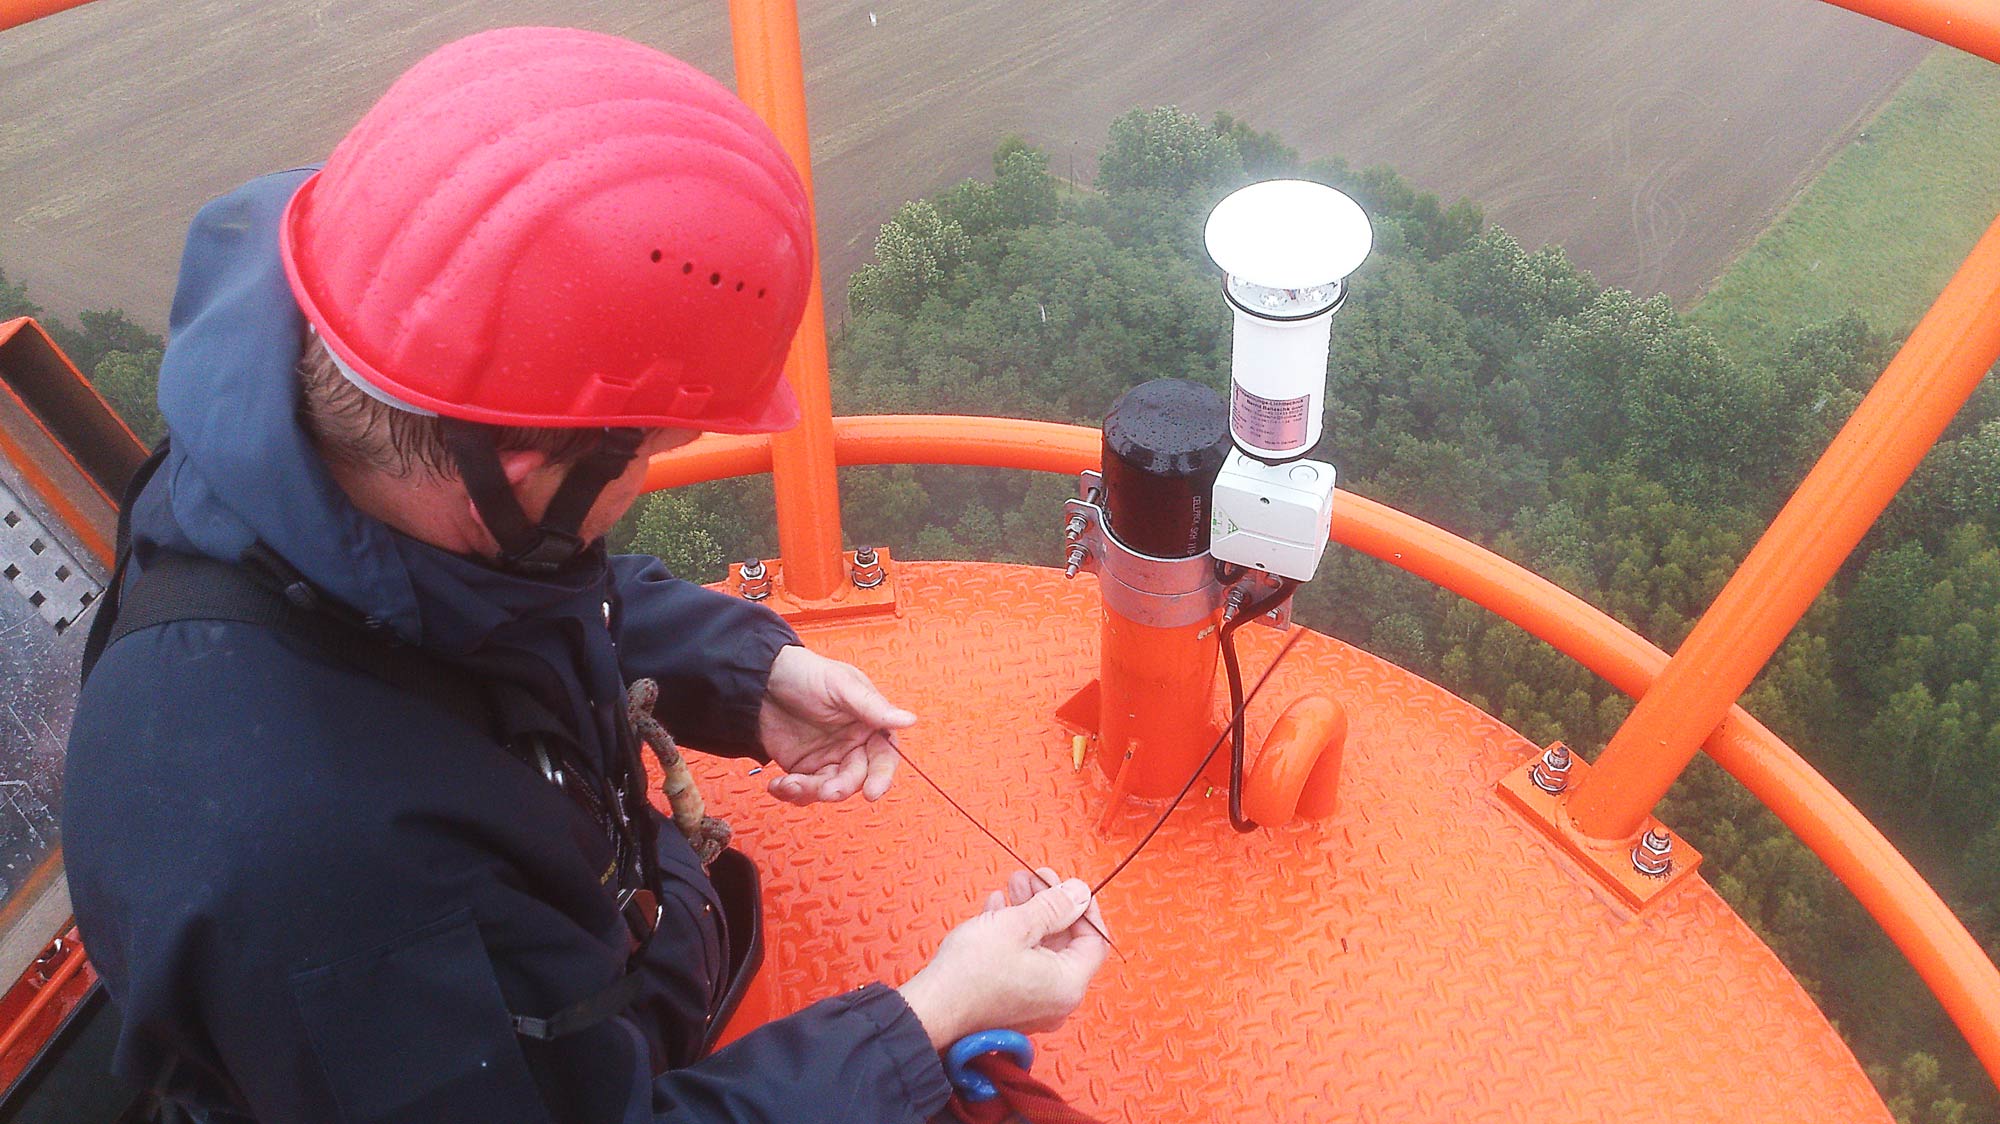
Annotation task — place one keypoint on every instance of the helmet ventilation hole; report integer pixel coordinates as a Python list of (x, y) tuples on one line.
[(656, 257)]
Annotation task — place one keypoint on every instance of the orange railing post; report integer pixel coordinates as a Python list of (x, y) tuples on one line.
[(14, 13), (770, 76), (1969, 25), (1874, 453)]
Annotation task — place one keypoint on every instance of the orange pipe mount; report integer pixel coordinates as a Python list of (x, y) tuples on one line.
[(1148, 751), (770, 77), (1953, 347)]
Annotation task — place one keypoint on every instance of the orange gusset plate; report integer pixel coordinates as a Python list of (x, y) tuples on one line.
[(1422, 955)]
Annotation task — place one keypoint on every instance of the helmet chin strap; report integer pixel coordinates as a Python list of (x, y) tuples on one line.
[(527, 547)]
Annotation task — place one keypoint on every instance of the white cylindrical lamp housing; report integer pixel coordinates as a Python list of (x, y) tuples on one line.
[(1286, 247)]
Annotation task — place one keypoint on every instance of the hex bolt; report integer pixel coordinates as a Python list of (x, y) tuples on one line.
[(756, 580), (1234, 605), (1653, 855), (1551, 773), (1078, 555), (868, 572), (1075, 525)]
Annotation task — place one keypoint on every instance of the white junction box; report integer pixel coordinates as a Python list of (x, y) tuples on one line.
[(1272, 517)]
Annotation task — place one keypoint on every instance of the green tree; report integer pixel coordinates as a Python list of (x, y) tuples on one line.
[(1023, 191), (103, 332), (131, 381), (915, 255), (1264, 155), (14, 301), (679, 532), (1167, 151), (1918, 1093)]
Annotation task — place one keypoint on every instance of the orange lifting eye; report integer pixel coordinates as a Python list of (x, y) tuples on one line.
[(1297, 775)]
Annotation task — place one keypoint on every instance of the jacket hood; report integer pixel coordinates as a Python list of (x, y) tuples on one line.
[(244, 470)]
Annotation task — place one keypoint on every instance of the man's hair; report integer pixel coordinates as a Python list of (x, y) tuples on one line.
[(354, 427)]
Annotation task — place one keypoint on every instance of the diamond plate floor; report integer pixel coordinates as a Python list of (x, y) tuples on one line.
[(1421, 956)]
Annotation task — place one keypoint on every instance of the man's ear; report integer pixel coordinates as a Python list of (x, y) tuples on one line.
[(520, 467), (519, 464)]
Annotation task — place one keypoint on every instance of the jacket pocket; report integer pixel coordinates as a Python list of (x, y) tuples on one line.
[(417, 1030)]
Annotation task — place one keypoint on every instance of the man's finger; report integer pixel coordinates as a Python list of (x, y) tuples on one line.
[(836, 780), (853, 772), (1090, 927), (882, 759), (791, 789), (995, 902), (1053, 910), (853, 693), (1086, 949)]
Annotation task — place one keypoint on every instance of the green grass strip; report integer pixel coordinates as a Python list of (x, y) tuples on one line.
[(1883, 228)]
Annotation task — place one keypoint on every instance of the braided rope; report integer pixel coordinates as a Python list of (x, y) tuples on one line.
[(708, 835)]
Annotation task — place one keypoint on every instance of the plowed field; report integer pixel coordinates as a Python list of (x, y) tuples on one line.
[(1653, 140)]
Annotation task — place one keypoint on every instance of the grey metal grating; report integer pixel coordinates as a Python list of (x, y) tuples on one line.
[(37, 564)]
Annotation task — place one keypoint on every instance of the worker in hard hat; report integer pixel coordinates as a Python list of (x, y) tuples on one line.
[(356, 826)]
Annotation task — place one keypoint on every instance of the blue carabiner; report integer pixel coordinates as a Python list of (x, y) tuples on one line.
[(973, 1085)]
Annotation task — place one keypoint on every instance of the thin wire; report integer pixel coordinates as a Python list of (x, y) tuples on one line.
[(974, 821), (1297, 634)]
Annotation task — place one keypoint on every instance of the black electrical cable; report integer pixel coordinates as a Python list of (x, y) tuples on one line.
[(1286, 587)]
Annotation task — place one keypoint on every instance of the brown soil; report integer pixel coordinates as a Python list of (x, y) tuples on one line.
[(1652, 140)]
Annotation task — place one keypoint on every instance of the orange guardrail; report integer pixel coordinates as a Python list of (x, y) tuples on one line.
[(1936, 943)]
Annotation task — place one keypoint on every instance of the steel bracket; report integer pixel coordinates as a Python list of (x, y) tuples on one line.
[(1608, 861)]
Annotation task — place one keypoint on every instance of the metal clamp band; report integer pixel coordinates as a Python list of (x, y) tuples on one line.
[(1160, 592)]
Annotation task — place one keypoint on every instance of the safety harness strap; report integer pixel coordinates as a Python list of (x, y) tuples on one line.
[(179, 587), (527, 546), (584, 1013), (588, 476), (107, 605)]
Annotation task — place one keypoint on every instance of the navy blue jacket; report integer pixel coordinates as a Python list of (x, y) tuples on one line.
[(324, 897)]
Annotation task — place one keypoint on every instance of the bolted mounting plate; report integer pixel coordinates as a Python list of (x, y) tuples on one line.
[(847, 601), (1610, 863)]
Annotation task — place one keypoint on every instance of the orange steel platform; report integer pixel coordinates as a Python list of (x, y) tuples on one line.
[(1423, 955)]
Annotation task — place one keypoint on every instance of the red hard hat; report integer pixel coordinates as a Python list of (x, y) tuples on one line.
[(547, 227)]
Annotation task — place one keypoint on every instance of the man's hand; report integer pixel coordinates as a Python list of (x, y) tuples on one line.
[(827, 725), (1021, 965)]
